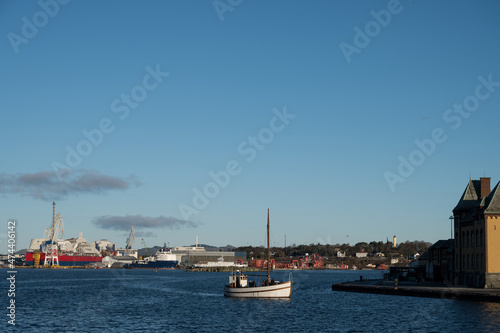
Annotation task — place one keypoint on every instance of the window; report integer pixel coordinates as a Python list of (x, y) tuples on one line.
[(463, 239), (477, 238), (477, 261), (472, 261), (456, 239), (468, 239), (472, 238), (468, 262), (481, 237), (482, 266)]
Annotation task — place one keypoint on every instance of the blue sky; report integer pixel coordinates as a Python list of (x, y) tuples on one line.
[(311, 117)]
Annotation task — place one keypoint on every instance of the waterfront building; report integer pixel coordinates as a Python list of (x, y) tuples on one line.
[(477, 236), (117, 261), (438, 261), (193, 255), (126, 252)]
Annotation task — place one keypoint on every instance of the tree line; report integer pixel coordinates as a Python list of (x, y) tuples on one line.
[(404, 249)]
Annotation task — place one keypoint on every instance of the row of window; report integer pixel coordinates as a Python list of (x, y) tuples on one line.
[(468, 261), (469, 237)]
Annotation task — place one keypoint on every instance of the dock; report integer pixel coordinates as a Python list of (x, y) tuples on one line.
[(420, 290)]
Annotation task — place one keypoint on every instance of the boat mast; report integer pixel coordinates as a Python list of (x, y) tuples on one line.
[(268, 250)]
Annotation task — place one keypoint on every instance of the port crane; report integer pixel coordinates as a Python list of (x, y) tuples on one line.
[(130, 240), (145, 247), (51, 235)]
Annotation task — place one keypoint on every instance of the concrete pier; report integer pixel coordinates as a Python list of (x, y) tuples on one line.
[(421, 290)]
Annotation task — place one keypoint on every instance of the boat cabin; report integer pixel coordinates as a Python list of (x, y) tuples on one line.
[(238, 280)]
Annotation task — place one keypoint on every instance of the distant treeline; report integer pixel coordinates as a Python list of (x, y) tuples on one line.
[(404, 249)]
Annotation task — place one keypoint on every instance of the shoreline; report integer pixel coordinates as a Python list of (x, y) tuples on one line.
[(200, 269)]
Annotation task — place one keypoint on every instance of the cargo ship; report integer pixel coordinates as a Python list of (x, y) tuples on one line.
[(67, 260), (164, 258), (52, 251)]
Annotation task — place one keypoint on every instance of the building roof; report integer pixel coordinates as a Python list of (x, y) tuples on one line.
[(123, 257), (442, 244), (492, 202), (424, 256), (469, 198), (471, 201)]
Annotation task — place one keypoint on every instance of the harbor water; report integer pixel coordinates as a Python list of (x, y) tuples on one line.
[(119, 300)]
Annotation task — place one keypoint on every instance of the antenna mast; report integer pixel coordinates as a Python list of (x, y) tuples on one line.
[(268, 250), (284, 249)]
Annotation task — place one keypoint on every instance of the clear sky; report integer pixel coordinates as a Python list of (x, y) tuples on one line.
[(350, 120)]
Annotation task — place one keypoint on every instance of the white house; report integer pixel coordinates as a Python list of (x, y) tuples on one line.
[(361, 254)]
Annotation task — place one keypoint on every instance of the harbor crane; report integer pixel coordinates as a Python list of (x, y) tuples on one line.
[(130, 240), (51, 235), (145, 247)]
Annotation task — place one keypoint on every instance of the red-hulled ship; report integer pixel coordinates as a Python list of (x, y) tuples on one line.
[(52, 251), (64, 259)]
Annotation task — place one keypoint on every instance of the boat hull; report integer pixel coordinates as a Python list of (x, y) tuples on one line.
[(167, 264), (66, 260), (280, 290)]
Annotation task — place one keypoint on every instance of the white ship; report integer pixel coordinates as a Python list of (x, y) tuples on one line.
[(162, 259)]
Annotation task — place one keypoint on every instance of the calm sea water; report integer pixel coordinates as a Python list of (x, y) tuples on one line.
[(178, 301)]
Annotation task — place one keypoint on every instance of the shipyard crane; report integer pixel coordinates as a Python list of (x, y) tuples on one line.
[(130, 240), (51, 236), (145, 247)]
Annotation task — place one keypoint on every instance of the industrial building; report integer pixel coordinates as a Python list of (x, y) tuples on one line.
[(193, 255), (117, 261)]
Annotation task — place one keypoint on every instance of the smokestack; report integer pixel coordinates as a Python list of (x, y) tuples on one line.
[(53, 212), (485, 186)]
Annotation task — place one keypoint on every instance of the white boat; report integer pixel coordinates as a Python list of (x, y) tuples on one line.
[(239, 286)]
